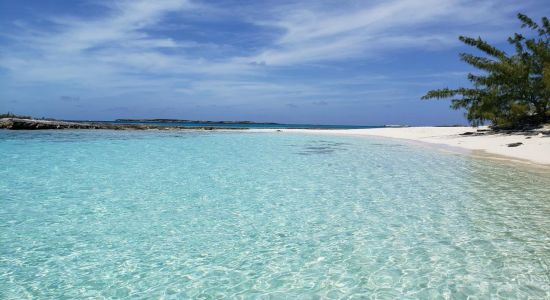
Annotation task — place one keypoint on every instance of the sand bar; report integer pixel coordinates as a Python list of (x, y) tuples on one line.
[(534, 147)]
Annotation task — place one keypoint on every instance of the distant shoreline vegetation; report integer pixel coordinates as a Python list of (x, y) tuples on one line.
[(513, 91), (11, 115), (15, 122), (190, 121), (15, 116)]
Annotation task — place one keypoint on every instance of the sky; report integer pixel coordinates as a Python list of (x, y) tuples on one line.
[(316, 62)]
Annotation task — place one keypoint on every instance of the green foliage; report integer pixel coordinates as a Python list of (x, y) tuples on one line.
[(513, 90), (10, 115)]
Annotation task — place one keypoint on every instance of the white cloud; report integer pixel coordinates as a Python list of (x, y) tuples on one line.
[(115, 46), (123, 25), (117, 51), (313, 34)]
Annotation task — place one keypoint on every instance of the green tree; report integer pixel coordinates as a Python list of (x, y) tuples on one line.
[(514, 90), (11, 115)]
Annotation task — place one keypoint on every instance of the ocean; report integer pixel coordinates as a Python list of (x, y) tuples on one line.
[(207, 215)]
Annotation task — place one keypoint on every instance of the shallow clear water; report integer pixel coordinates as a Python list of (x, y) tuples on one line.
[(209, 215)]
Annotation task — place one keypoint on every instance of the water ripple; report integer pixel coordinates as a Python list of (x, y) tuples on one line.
[(240, 215)]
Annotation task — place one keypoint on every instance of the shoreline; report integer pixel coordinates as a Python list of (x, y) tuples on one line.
[(527, 147), (33, 124), (533, 150)]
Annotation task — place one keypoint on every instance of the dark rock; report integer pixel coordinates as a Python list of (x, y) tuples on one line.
[(33, 124), (467, 133), (515, 144)]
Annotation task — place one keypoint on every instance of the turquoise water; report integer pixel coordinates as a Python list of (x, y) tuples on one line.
[(175, 215)]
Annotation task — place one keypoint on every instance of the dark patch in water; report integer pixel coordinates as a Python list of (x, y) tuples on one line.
[(317, 148), (321, 147), (387, 145), (315, 152)]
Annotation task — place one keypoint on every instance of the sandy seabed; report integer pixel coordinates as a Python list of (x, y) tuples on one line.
[(534, 147)]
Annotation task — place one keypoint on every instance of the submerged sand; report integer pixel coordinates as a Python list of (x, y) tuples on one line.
[(534, 147)]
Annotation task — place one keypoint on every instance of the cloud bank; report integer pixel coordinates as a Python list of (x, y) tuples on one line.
[(272, 54)]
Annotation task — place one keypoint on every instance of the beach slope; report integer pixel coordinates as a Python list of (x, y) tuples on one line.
[(528, 146)]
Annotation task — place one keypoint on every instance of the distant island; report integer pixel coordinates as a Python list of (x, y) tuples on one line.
[(13, 121), (28, 123), (190, 121), (23, 122)]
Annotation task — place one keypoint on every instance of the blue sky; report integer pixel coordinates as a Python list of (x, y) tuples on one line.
[(324, 62)]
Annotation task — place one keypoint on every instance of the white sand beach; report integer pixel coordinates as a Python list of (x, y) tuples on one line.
[(535, 147)]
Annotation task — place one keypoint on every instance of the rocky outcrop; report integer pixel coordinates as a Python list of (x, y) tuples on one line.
[(17, 124), (32, 124)]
